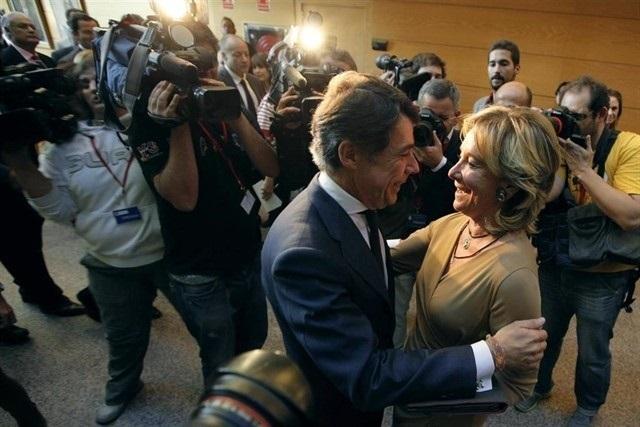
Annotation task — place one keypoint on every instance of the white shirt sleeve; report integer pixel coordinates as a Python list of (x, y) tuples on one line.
[(484, 361)]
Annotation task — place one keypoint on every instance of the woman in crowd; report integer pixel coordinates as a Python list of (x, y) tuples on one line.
[(615, 108), (260, 69), (93, 183), (476, 268)]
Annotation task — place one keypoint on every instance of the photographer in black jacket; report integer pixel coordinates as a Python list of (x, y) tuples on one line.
[(202, 172)]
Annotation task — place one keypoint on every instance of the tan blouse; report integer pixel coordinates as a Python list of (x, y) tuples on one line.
[(463, 305)]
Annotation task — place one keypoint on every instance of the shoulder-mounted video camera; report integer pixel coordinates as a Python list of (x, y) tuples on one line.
[(565, 125), (295, 65), (132, 59), (35, 107)]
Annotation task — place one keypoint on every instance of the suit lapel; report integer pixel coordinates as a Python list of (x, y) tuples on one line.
[(354, 248)]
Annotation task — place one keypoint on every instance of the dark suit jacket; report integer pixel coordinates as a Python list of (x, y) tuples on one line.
[(337, 319), (256, 85), (10, 56), (435, 189), (66, 53)]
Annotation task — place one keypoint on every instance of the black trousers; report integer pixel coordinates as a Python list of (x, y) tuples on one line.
[(21, 249), (15, 400)]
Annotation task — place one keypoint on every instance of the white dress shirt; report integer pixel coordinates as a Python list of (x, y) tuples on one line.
[(237, 79)]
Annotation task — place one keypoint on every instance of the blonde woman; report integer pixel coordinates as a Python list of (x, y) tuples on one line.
[(476, 268)]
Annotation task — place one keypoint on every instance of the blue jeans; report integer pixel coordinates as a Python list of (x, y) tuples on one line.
[(227, 315), (595, 299)]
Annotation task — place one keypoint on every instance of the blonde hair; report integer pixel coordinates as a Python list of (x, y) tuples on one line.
[(520, 148)]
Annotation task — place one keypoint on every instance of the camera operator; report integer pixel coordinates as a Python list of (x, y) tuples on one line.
[(604, 173), (202, 174), (289, 115), (20, 33), (91, 182)]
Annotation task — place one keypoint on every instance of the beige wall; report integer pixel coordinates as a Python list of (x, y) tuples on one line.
[(559, 39)]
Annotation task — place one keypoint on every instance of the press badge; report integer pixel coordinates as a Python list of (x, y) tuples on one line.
[(127, 215), (247, 202)]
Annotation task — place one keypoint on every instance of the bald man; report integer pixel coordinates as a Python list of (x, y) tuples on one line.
[(513, 94), (22, 38), (234, 72)]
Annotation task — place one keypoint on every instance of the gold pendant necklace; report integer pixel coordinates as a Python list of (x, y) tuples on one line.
[(466, 242)]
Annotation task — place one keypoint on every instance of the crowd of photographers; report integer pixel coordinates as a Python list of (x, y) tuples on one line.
[(171, 205)]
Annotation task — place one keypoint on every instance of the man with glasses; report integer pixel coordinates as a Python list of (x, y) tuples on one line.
[(594, 295)]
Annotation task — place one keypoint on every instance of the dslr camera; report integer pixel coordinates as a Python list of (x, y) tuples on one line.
[(132, 59), (37, 100), (423, 131), (565, 125)]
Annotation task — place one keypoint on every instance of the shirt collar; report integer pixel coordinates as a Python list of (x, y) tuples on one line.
[(350, 204), (25, 53), (236, 78)]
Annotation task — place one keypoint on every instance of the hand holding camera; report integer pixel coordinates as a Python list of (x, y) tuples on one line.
[(579, 159), (286, 107), (430, 155)]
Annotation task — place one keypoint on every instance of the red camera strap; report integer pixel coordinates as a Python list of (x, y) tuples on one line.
[(217, 146)]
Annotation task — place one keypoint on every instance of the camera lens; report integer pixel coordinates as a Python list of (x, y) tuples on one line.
[(257, 388)]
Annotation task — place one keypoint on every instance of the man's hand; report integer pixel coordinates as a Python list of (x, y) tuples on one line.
[(522, 344), (267, 188), (387, 77), (430, 156), (7, 316), (285, 107), (578, 159), (164, 102)]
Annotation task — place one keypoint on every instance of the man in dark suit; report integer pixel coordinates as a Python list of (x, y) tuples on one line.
[(20, 225), (23, 38), (326, 269), (234, 72), (81, 26)]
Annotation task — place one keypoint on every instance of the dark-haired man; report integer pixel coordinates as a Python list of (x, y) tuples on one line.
[(503, 65), (81, 26), (201, 173), (326, 268), (606, 174)]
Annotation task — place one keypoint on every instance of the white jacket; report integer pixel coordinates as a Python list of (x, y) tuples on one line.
[(85, 195)]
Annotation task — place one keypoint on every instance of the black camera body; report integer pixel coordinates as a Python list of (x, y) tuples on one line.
[(423, 131), (565, 125), (35, 107), (137, 58)]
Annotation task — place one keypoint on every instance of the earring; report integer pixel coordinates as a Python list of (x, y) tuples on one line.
[(501, 195)]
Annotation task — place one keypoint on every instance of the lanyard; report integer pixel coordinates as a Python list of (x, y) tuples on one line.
[(217, 146), (122, 183)]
